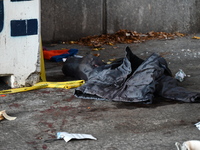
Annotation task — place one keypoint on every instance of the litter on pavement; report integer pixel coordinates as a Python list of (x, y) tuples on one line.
[(188, 145), (180, 75), (3, 115), (58, 55), (68, 136), (198, 125)]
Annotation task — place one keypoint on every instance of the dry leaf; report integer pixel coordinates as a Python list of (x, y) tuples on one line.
[(97, 55), (125, 36), (196, 37)]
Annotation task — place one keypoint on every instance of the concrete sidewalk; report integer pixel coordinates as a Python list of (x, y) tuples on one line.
[(117, 126)]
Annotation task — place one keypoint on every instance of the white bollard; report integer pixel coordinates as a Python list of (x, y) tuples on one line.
[(20, 42)]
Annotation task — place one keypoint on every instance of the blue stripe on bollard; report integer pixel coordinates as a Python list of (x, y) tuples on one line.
[(1, 15), (24, 27), (19, 0)]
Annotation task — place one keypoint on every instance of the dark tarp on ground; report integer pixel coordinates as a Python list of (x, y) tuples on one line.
[(129, 79)]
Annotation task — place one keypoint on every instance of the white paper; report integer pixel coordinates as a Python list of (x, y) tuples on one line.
[(198, 125), (68, 136)]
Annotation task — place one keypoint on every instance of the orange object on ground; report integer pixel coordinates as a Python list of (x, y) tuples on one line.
[(50, 53)]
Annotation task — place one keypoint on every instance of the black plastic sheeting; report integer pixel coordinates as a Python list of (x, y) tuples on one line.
[(129, 79)]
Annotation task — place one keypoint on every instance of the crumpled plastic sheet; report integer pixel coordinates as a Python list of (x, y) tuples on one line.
[(129, 79)]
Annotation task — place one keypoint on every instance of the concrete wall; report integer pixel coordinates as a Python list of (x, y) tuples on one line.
[(71, 19), (156, 15)]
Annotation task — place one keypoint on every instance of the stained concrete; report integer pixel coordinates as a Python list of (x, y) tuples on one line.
[(117, 126)]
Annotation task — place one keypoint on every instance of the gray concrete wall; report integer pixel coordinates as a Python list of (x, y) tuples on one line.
[(72, 19), (156, 15)]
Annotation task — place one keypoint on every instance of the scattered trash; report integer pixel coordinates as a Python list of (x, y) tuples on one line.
[(3, 115), (58, 55), (180, 75), (40, 85), (78, 56), (198, 125), (68, 136), (196, 37), (188, 145), (3, 95), (64, 59)]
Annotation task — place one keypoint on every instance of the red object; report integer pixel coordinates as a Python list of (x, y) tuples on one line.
[(50, 53), (3, 95)]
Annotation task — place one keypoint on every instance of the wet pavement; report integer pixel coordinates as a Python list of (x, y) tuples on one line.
[(116, 125)]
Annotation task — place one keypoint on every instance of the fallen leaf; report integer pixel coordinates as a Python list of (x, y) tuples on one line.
[(126, 37), (73, 42), (196, 37), (97, 49), (112, 59), (97, 55)]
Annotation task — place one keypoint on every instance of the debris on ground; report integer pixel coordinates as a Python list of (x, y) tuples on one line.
[(198, 125), (188, 145), (68, 136), (129, 79), (58, 55), (124, 36), (180, 75), (3, 115), (3, 95), (196, 37)]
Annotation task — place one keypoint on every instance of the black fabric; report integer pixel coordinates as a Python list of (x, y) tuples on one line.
[(80, 68), (130, 79)]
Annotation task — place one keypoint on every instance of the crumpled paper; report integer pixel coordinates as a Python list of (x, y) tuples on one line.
[(197, 125), (180, 75), (68, 136)]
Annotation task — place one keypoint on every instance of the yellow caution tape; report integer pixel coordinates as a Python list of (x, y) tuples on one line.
[(40, 85), (66, 85), (42, 65), (22, 89)]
